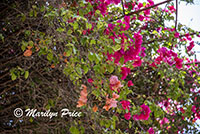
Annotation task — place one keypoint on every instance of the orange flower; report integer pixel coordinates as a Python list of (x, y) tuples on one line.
[(117, 85), (115, 96), (114, 83), (83, 98), (37, 48), (29, 47), (64, 54), (61, 57), (95, 108), (52, 66), (106, 107), (27, 53), (111, 102), (65, 60), (64, 4)]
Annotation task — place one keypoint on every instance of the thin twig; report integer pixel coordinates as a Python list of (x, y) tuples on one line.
[(196, 63), (176, 14), (161, 39), (143, 9), (12, 8), (123, 7)]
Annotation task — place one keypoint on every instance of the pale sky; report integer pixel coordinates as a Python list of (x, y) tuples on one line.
[(189, 15)]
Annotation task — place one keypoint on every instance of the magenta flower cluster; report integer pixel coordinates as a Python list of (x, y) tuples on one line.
[(168, 56), (145, 113)]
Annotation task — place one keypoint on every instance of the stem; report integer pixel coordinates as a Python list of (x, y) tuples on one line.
[(161, 39), (143, 9), (176, 15), (123, 7)]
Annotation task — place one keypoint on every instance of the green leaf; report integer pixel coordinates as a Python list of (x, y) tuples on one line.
[(97, 68), (35, 13), (60, 29), (74, 50), (88, 26), (74, 130), (70, 44), (97, 12), (85, 68), (13, 76), (118, 41), (51, 102), (26, 74), (50, 56), (117, 47), (2, 37), (42, 9), (69, 32), (81, 12), (30, 43), (110, 68), (114, 119), (27, 32), (34, 6), (82, 130), (83, 40), (68, 52), (130, 124), (97, 58), (48, 107), (42, 52), (22, 72), (78, 69), (121, 60), (102, 122), (96, 92), (75, 25), (31, 13), (92, 42), (91, 56), (31, 119), (23, 17), (107, 124), (99, 25), (63, 12), (154, 32), (24, 45)]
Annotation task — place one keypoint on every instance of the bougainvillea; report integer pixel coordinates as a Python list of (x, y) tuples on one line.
[(145, 113), (83, 97), (116, 61), (114, 83)]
